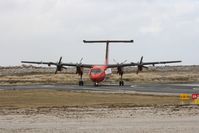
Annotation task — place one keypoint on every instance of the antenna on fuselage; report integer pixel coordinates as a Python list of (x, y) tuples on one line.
[(107, 45)]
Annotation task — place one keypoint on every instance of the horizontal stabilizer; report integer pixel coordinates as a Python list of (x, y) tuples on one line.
[(109, 41)]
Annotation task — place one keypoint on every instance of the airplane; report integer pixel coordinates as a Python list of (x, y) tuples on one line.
[(97, 73)]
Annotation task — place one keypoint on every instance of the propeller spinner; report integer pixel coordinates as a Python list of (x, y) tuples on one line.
[(59, 65)]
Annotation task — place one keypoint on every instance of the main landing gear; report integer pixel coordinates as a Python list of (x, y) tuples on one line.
[(120, 72), (79, 71), (121, 82), (81, 82)]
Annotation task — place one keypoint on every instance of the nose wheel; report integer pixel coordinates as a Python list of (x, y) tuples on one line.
[(96, 84)]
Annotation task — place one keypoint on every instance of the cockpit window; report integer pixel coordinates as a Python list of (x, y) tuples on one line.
[(96, 71)]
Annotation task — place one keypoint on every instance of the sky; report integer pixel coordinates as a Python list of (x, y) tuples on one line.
[(44, 30)]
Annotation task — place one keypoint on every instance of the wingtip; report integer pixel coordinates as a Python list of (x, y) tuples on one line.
[(179, 61)]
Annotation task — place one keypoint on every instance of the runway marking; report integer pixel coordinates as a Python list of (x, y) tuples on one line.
[(195, 88), (196, 85), (133, 86)]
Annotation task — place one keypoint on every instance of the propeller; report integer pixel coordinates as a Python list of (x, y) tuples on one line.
[(118, 62), (140, 66), (119, 67), (59, 65), (78, 68)]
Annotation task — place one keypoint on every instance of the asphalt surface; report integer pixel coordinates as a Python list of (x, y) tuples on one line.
[(150, 88)]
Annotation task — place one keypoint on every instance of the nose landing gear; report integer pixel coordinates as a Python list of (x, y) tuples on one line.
[(96, 84)]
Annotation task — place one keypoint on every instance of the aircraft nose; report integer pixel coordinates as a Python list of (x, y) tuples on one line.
[(94, 77), (97, 77)]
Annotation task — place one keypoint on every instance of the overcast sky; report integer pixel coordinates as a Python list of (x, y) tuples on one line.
[(47, 29)]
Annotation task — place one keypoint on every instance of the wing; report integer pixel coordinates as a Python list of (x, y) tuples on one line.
[(121, 65), (40, 63), (160, 62), (59, 65), (142, 63), (62, 64), (78, 65)]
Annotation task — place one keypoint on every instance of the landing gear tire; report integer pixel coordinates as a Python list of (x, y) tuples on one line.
[(121, 83), (81, 83), (96, 84)]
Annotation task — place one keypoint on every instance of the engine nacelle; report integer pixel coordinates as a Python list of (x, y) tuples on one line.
[(79, 70), (120, 70), (140, 67)]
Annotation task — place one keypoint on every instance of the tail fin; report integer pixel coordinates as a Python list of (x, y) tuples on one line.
[(107, 54)]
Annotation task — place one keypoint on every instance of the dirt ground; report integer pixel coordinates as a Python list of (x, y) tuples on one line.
[(45, 111), (164, 119)]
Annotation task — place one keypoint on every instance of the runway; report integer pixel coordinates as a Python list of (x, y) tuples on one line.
[(150, 88)]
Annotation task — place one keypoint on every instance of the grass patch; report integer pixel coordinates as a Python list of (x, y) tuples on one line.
[(144, 77), (53, 98)]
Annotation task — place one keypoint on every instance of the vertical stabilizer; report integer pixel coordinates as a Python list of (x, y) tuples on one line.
[(107, 54)]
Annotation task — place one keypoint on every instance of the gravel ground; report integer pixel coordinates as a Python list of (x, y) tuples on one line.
[(164, 119)]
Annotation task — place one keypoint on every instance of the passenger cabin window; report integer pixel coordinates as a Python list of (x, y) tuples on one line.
[(96, 71)]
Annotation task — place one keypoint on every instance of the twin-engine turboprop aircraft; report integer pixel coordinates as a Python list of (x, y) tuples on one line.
[(97, 73)]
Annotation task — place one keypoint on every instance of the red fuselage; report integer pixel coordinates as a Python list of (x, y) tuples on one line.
[(97, 73)]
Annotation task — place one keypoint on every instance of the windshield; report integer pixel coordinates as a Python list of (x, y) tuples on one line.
[(96, 71)]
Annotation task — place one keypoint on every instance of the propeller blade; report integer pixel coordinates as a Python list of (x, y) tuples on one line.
[(141, 60), (59, 65), (56, 71), (65, 67), (115, 61), (137, 71), (118, 62), (60, 60), (124, 61), (140, 66), (145, 67), (80, 62)]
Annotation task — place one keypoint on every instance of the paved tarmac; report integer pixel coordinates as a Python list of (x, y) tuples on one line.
[(149, 88)]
